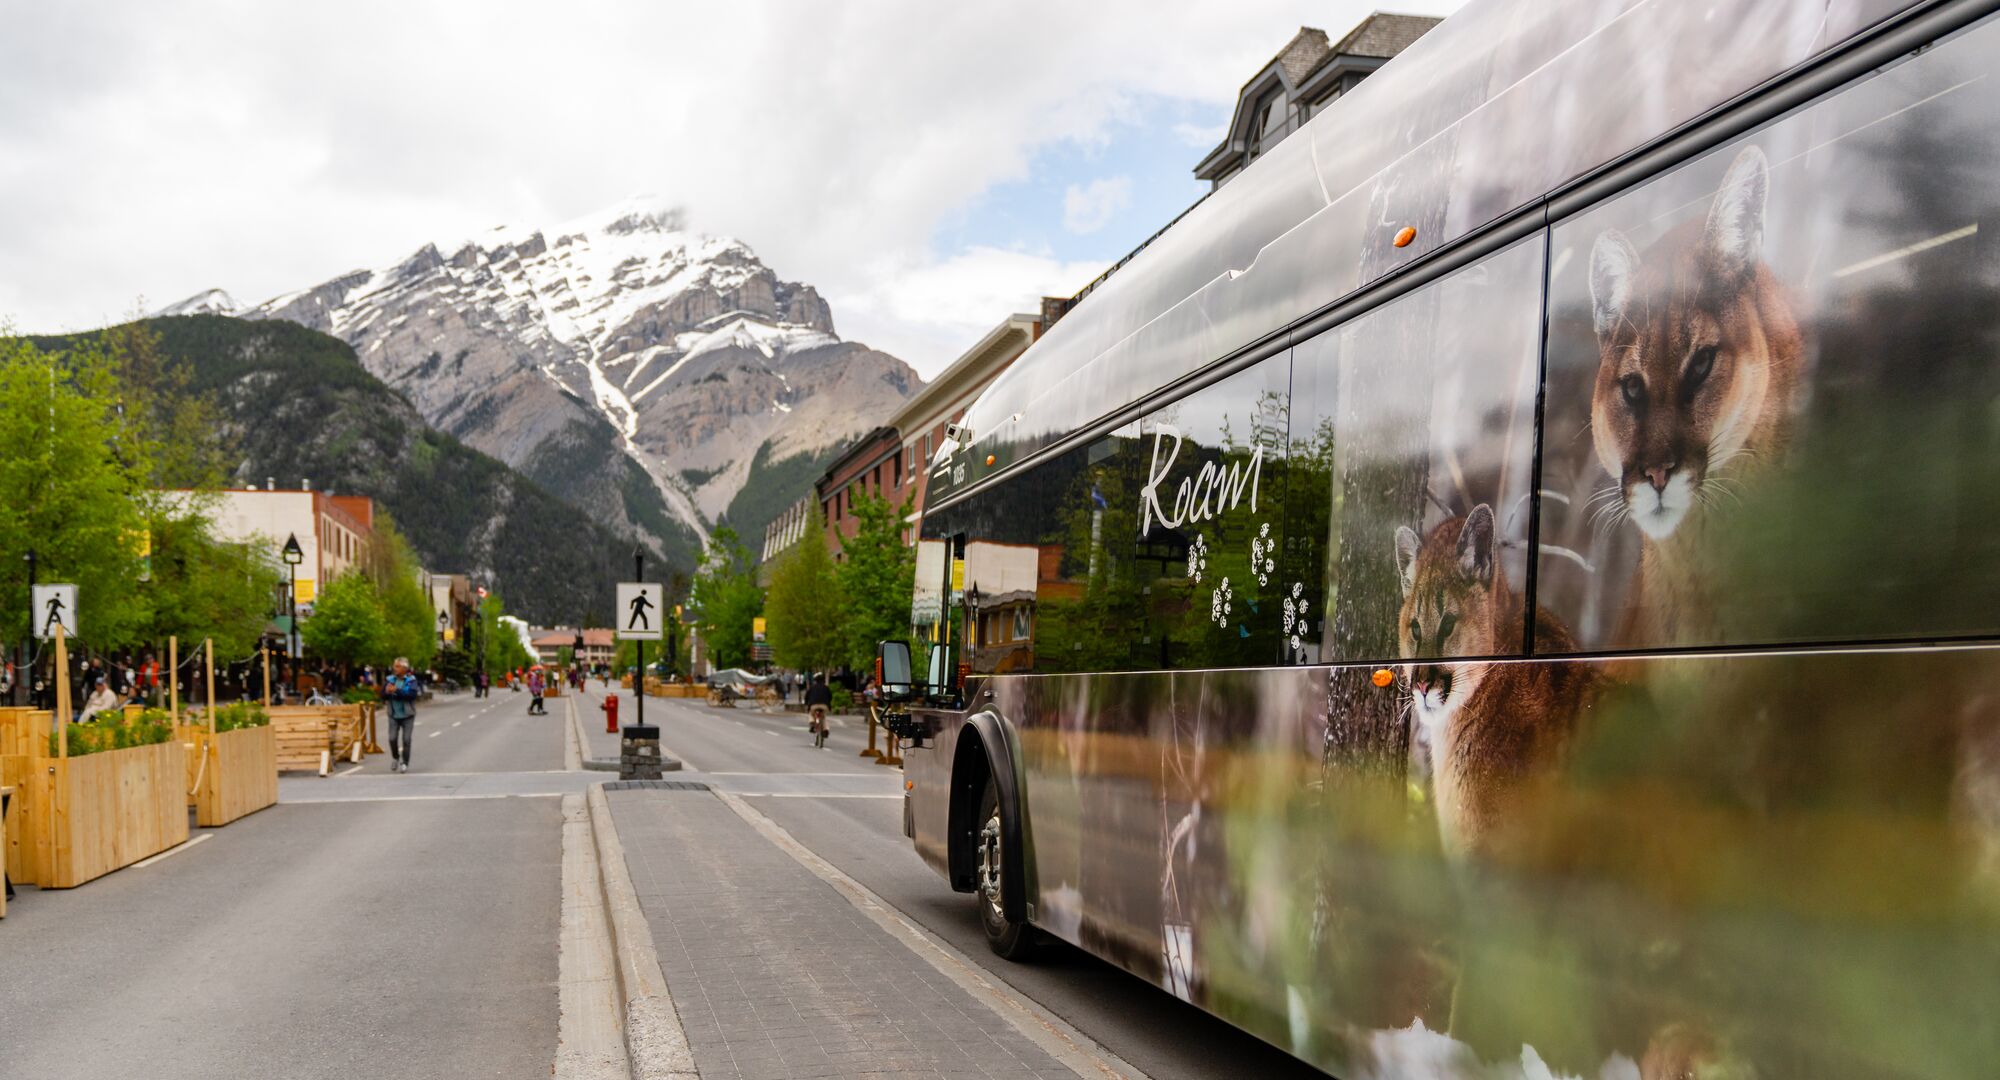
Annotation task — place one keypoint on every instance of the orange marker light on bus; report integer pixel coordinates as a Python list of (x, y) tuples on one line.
[(989, 459), (1404, 237), (1382, 677)]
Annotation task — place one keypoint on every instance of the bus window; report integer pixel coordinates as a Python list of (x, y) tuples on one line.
[(1412, 449), (1210, 521), (1774, 379)]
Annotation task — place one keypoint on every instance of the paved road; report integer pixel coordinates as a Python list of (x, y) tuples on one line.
[(407, 938), (1159, 1034), (407, 925)]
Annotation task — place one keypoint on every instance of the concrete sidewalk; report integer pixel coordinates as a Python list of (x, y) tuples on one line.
[(776, 973)]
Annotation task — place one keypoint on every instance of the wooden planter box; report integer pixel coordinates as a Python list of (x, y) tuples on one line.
[(302, 732), (230, 774), (81, 818), (24, 731)]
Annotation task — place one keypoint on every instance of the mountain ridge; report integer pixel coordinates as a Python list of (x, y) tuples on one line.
[(636, 368), (297, 404)]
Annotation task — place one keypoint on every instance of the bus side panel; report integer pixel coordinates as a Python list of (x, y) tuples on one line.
[(1789, 863), (928, 771)]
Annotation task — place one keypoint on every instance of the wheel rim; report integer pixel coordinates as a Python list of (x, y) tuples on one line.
[(991, 862)]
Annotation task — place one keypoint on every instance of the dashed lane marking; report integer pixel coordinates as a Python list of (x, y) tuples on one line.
[(455, 723), (435, 734)]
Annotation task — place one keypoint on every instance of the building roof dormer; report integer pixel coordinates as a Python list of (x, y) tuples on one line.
[(1308, 74)]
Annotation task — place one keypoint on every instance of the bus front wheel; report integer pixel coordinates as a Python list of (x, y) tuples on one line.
[(995, 862)]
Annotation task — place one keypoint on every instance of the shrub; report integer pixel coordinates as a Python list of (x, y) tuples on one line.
[(843, 699), (111, 731), (359, 695), (242, 714)]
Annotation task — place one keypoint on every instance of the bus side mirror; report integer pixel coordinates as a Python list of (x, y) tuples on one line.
[(892, 670)]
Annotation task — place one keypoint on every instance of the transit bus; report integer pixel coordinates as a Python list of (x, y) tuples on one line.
[(1509, 585)]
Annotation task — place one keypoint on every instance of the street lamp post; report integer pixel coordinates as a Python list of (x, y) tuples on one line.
[(294, 555), (480, 645)]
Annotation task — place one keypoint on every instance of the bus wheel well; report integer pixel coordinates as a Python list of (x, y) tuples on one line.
[(970, 770)]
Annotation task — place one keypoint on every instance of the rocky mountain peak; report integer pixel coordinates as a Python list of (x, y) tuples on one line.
[(624, 333)]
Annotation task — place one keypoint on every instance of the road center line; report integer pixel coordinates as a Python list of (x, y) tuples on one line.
[(455, 723), (435, 734), (175, 850)]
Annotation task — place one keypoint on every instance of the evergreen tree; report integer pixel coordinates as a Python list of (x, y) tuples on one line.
[(725, 599), (877, 578), (806, 612)]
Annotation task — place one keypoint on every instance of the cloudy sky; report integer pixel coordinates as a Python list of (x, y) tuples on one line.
[(930, 167)]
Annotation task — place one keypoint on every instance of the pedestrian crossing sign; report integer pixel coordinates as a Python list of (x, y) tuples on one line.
[(640, 614), (52, 606)]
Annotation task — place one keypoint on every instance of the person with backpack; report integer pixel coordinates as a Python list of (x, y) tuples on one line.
[(399, 691), (819, 698)]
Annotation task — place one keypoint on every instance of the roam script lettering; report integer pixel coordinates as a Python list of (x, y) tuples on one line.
[(1211, 490)]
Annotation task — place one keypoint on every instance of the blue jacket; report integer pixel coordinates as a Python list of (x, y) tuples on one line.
[(400, 691)]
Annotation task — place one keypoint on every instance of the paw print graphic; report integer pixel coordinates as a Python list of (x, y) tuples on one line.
[(1262, 547), (1219, 603), (1296, 606), (1197, 557)]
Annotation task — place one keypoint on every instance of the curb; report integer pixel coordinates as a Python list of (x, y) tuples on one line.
[(655, 1044), (668, 762)]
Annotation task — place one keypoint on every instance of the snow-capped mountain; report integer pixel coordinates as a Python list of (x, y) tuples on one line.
[(654, 376), (207, 302)]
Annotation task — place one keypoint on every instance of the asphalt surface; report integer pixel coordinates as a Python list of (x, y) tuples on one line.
[(405, 938), (394, 925), (1154, 1031)]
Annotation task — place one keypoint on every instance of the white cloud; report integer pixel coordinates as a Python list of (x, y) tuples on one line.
[(928, 311), (262, 148), (1198, 136), (1088, 209)]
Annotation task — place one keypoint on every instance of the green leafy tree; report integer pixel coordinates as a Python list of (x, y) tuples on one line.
[(877, 577), (498, 641), (394, 571), (660, 659), (805, 612), (725, 599), (201, 587), (347, 625), (454, 663), (65, 493)]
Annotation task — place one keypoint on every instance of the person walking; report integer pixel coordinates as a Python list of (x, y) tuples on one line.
[(818, 700), (537, 684), (399, 689)]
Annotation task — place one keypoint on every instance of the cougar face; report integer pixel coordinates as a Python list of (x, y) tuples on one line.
[(1697, 352), (1448, 612)]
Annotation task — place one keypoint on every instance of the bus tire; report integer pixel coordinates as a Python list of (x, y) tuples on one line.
[(997, 863)]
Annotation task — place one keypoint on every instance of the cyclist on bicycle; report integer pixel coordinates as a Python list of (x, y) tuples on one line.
[(818, 700)]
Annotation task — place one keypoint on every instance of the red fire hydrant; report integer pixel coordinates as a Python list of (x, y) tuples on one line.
[(610, 708)]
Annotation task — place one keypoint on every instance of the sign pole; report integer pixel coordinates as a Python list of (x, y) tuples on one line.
[(62, 697), (174, 679), (208, 658), (265, 652), (639, 684)]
